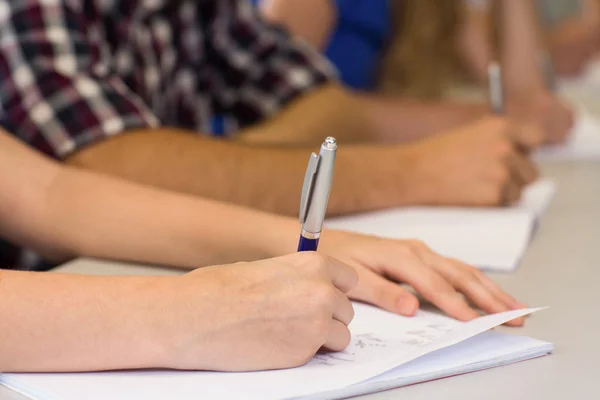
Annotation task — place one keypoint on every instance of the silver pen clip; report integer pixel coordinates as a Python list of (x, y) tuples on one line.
[(309, 184)]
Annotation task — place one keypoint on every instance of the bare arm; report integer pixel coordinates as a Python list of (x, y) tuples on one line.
[(65, 211), (400, 120), (396, 120), (521, 46), (55, 322), (258, 172), (474, 43), (312, 20)]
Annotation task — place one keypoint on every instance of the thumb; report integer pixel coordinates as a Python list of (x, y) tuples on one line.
[(380, 292)]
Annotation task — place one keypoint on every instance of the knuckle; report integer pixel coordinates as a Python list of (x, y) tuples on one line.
[(407, 252)]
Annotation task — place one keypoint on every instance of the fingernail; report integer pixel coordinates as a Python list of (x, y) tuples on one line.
[(518, 322), (518, 304), (407, 305)]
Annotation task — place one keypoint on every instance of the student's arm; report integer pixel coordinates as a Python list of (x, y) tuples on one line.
[(397, 120), (574, 41), (521, 46), (64, 212), (312, 20), (474, 44), (248, 316), (81, 323), (88, 116), (527, 97)]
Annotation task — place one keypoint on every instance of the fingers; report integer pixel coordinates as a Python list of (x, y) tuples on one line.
[(342, 275), (343, 310), (560, 123), (380, 292), (471, 282), (522, 169), (526, 136), (338, 338), (433, 287), (512, 194), (476, 287), (499, 293)]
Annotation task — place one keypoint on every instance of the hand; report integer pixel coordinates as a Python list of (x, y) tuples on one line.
[(546, 111), (573, 44), (268, 314), (448, 284), (482, 164)]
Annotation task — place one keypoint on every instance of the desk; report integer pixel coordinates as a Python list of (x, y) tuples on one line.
[(561, 269)]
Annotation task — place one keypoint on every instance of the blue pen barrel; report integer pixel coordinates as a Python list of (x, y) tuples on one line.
[(308, 244)]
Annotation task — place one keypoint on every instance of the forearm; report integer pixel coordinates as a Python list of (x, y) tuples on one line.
[(311, 20), (354, 117), (93, 215), (521, 46), (64, 212), (475, 44), (402, 120), (54, 322), (259, 176)]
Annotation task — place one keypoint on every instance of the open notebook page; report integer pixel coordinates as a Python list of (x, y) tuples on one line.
[(486, 350), (489, 238), (381, 341)]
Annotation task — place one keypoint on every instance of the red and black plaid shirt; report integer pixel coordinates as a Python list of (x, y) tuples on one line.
[(73, 72)]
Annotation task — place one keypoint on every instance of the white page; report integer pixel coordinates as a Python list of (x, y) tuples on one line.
[(381, 341), (537, 197), (486, 350), (478, 349), (582, 144), (489, 238)]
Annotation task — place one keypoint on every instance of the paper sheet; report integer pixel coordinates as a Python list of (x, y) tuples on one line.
[(486, 350), (489, 238), (381, 341)]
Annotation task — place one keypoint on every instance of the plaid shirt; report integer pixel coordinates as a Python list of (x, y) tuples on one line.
[(73, 72)]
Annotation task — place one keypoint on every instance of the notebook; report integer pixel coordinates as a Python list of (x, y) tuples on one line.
[(489, 238), (387, 351)]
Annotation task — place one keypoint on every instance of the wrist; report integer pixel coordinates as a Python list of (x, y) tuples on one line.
[(419, 184), (160, 335), (277, 236), (405, 184)]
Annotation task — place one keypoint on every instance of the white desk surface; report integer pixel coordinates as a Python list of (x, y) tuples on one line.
[(561, 269)]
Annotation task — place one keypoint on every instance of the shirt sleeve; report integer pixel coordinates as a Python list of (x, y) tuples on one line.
[(255, 68), (56, 93)]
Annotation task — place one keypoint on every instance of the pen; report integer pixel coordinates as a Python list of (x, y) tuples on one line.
[(496, 88), (315, 194)]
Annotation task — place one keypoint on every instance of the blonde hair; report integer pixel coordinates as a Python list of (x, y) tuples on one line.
[(421, 56)]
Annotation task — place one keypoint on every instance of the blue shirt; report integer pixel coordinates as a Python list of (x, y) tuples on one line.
[(358, 40)]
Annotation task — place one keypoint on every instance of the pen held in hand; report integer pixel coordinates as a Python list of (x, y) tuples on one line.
[(496, 88), (315, 194)]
